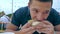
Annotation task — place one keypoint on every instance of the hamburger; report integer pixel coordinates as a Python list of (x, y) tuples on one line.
[(34, 23)]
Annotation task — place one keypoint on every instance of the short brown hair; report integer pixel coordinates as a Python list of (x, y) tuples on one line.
[(43, 1)]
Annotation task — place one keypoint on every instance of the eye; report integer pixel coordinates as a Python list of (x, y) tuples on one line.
[(35, 10), (46, 12)]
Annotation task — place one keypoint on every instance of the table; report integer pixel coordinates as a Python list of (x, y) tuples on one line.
[(7, 33)]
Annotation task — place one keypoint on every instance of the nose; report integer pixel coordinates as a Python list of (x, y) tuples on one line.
[(39, 17)]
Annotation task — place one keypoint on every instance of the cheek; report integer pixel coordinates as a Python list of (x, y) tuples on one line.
[(33, 14), (45, 16)]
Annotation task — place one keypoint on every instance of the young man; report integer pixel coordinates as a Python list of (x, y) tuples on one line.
[(39, 10)]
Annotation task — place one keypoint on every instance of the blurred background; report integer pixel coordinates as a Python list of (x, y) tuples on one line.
[(10, 6)]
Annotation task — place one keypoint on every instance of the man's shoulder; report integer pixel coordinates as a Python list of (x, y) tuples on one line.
[(21, 15), (53, 12), (51, 15), (22, 10), (54, 17)]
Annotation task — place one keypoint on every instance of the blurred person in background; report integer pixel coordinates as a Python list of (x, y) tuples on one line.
[(2, 13), (4, 20)]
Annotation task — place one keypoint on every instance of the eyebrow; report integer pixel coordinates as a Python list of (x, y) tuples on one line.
[(40, 8), (47, 10), (34, 8)]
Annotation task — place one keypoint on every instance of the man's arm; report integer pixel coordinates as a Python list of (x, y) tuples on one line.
[(15, 23), (26, 29), (11, 27), (56, 21), (57, 27), (57, 32)]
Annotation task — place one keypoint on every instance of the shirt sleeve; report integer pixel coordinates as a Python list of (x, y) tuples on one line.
[(17, 16), (56, 17)]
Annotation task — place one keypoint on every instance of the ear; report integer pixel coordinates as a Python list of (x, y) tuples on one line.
[(29, 4)]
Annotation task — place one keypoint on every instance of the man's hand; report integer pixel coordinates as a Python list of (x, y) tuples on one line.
[(27, 29), (45, 27)]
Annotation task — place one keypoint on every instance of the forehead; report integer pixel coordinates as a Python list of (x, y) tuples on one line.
[(42, 5)]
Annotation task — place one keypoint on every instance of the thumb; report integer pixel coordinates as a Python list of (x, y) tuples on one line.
[(27, 25)]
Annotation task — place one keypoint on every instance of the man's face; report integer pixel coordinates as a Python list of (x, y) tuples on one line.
[(39, 10)]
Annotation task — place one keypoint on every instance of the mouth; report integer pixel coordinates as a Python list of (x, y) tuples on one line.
[(41, 20)]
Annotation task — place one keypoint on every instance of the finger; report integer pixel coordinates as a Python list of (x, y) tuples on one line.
[(43, 30), (27, 30), (44, 26), (46, 29), (31, 32), (47, 22), (27, 25), (41, 26)]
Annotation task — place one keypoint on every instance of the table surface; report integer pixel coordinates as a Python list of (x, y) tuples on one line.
[(7, 33)]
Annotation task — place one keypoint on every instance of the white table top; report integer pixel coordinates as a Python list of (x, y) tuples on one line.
[(7, 33)]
